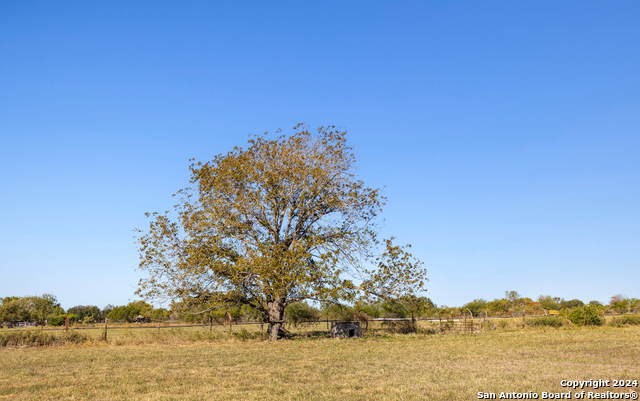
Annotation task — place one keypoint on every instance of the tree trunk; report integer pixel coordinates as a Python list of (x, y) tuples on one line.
[(275, 316)]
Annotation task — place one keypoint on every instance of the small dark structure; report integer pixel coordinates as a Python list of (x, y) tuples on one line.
[(345, 330), (140, 319)]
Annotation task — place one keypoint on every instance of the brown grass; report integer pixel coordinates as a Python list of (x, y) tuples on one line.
[(191, 364)]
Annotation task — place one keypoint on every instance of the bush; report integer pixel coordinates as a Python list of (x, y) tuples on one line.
[(504, 323), (426, 330), (488, 325), (625, 320), (574, 303), (477, 306), (36, 338), (29, 308), (58, 320), (545, 321), (586, 316), (130, 311), (245, 335), (83, 311), (399, 326), (160, 313), (339, 312), (192, 319), (300, 314), (373, 310)]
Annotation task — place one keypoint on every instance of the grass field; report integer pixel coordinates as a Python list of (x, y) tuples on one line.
[(190, 364)]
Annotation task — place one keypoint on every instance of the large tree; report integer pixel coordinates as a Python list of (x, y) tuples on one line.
[(281, 221)]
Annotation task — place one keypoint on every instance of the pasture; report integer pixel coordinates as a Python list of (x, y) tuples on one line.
[(193, 364)]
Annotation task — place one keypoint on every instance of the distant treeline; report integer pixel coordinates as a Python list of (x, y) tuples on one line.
[(514, 303), (46, 309)]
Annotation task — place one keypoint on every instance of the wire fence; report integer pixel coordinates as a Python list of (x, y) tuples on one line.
[(442, 325), (310, 325)]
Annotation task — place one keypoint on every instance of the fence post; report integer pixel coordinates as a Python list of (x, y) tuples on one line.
[(104, 337), (210, 323)]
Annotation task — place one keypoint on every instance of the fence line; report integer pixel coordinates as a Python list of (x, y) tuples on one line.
[(168, 326), (206, 324)]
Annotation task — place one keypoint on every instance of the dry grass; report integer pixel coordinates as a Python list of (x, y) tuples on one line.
[(192, 364)]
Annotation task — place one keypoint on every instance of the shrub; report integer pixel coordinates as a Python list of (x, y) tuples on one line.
[(58, 320), (488, 325), (426, 330), (504, 323), (160, 313), (189, 318), (71, 337), (245, 335), (83, 311), (373, 310), (586, 316), (545, 321), (399, 326), (476, 306), (574, 303), (625, 320), (339, 312), (300, 313), (130, 311), (36, 338), (55, 320), (29, 308)]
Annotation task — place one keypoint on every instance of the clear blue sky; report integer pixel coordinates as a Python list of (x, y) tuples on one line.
[(507, 133)]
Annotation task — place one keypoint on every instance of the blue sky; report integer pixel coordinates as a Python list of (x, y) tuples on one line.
[(506, 134)]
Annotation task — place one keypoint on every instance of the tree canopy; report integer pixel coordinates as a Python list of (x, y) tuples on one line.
[(282, 221), (31, 308), (130, 311), (85, 311)]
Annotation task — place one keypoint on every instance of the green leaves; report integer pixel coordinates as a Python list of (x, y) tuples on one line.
[(286, 218), (28, 308), (397, 273), (588, 315)]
